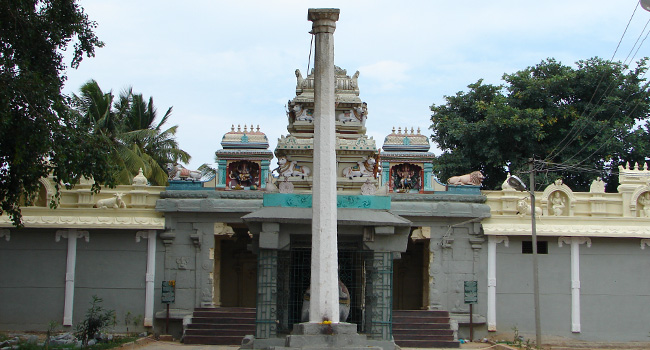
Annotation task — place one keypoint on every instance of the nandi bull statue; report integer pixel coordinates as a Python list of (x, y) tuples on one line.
[(288, 168), (474, 178), (344, 304), (178, 172), (364, 167), (114, 202)]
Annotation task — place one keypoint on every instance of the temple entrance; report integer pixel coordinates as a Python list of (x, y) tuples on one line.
[(294, 270), (409, 275), (238, 271)]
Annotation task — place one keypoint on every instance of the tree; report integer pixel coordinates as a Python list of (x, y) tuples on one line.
[(38, 135), (129, 126), (582, 122)]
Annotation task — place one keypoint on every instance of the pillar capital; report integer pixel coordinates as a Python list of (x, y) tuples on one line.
[(324, 20)]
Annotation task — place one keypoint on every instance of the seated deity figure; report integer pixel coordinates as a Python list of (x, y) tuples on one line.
[(557, 203), (644, 200)]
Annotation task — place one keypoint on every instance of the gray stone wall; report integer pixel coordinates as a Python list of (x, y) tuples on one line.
[(111, 265), (615, 281)]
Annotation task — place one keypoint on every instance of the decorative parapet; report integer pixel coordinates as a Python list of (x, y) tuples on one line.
[(122, 207), (568, 213)]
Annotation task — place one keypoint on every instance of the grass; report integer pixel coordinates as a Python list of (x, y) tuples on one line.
[(116, 342)]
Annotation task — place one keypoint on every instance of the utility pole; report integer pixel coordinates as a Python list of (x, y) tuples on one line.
[(538, 326)]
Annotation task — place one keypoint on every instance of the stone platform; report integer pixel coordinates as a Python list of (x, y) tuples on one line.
[(317, 336)]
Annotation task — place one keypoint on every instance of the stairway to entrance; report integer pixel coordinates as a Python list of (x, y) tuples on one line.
[(220, 326), (423, 329)]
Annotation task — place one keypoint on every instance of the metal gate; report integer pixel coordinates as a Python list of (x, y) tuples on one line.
[(294, 270)]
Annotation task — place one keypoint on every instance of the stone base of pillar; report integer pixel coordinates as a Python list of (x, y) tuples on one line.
[(315, 336)]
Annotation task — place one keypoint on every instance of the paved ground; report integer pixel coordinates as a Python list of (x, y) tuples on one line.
[(151, 344), (165, 345)]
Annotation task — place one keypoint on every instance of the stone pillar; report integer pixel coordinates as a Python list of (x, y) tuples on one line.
[(380, 287), (150, 236), (71, 263), (203, 241), (435, 270), (324, 261), (575, 277), (428, 172), (267, 296), (264, 173), (492, 280), (221, 173)]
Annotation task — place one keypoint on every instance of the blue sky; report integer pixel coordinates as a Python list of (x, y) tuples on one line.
[(220, 63)]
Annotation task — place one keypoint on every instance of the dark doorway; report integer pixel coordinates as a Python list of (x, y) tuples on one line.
[(238, 273), (408, 277)]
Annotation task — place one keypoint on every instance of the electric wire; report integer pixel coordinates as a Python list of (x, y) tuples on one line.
[(310, 47), (602, 127), (573, 133)]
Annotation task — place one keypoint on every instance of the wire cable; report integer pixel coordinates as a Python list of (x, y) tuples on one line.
[(552, 153)]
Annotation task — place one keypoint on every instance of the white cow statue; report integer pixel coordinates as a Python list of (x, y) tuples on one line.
[(178, 172), (288, 168), (114, 202), (364, 167)]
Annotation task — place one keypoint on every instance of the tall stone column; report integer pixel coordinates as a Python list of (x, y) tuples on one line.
[(71, 263), (324, 260)]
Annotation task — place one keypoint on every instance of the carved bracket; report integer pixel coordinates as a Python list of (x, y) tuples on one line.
[(140, 235), (645, 242), (501, 239), (196, 239), (167, 237), (476, 242), (578, 240), (72, 233)]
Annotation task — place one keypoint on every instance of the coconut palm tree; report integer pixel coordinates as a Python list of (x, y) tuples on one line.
[(129, 125)]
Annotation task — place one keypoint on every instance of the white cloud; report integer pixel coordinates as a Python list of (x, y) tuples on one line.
[(232, 62), (387, 75)]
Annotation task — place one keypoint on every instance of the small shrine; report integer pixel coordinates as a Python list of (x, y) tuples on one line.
[(244, 160), (406, 162)]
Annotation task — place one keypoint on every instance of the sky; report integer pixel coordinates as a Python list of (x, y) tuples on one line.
[(219, 63)]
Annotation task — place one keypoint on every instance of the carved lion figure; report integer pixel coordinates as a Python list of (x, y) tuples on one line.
[(523, 208), (474, 178)]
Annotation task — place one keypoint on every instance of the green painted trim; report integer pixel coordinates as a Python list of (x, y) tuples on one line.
[(291, 200)]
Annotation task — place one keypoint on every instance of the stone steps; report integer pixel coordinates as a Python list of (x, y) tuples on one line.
[(220, 326), (423, 329)]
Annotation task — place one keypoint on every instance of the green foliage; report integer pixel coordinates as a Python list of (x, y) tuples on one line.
[(128, 125), (592, 116), (51, 328), (38, 135), (97, 319)]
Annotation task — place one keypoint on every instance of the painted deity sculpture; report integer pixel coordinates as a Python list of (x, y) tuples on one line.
[(406, 178), (243, 175)]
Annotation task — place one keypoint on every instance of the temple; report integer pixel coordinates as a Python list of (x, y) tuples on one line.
[(230, 255)]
